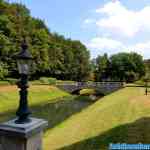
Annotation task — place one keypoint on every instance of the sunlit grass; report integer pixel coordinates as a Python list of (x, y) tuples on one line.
[(87, 92), (74, 124), (118, 117), (38, 95)]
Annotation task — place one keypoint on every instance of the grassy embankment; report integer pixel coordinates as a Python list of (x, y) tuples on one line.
[(122, 116), (46, 102)]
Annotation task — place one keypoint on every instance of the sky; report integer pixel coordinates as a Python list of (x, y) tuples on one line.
[(104, 26)]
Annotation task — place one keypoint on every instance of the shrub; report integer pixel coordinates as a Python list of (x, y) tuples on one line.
[(52, 81), (45, 80), (4, 83), (12, 81), (36, 82), (3, 70)]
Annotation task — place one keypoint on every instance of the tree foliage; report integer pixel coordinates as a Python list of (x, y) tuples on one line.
[(3, 70), (102, 68), (121, 67), (54, 54)]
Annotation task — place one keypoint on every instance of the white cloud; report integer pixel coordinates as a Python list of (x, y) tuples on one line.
[(142, 48), (100, 45), (118, 22), (105, 43), (121, 20)]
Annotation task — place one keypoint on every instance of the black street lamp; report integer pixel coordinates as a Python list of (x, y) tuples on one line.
[(24, 60), (146, 86)]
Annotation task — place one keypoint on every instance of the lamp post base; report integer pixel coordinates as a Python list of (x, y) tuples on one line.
[(26, 136), (23, 120)]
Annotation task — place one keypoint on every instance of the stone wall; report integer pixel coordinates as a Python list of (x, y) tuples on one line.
[(103, 87)]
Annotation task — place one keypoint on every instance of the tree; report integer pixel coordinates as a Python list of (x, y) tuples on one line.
[(102, 68), (127, 66), (54, 54)]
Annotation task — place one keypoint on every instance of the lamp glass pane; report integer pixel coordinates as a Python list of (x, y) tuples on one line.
[(24, 66)]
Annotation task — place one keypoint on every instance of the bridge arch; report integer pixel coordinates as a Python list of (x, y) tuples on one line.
[(76, 92), (96, 92), (102, 87)]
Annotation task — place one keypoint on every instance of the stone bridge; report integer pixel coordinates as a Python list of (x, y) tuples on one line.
[(102, 87)]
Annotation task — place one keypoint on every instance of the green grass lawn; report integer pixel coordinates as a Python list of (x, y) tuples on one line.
[(77, 124), (38, 96), (123, 116), (46, 102)]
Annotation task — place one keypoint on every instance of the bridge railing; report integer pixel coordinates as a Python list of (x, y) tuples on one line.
[(89, 83), (67, 83), (104, 87)]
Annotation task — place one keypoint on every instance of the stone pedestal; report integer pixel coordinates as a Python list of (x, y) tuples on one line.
[(22, 136)]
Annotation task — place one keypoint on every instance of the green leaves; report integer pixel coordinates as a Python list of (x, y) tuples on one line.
[(122, 66), (3, 70), (102, 66), (54, 54), (5, 25)]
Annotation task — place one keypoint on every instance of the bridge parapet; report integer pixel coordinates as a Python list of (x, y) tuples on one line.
[(103, 87)]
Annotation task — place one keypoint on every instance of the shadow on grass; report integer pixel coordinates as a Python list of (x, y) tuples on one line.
[(54, 111), (136, 132)]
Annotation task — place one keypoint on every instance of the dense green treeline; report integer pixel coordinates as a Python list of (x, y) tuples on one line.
[(123, 66), (54, 55)]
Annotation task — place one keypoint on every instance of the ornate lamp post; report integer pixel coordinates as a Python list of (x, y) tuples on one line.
[(23, 133), (24, 60)]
